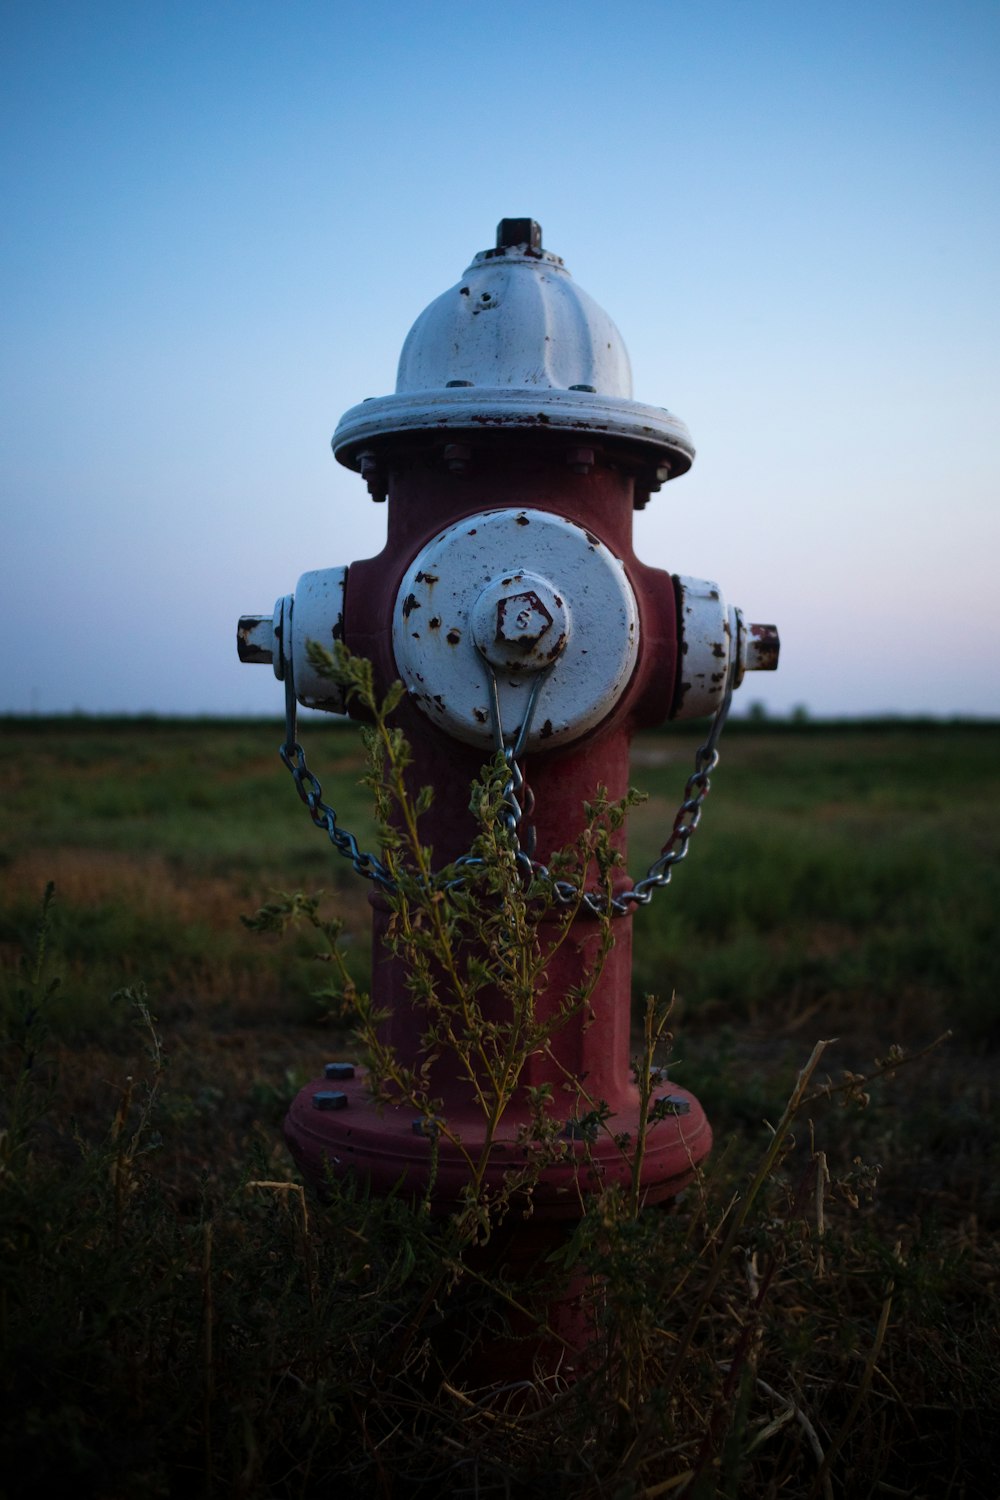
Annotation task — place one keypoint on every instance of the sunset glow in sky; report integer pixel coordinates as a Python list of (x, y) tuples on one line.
[(220, 221)]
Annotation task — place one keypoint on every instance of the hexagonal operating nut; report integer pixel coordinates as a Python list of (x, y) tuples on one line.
[(255, 638), (265, 638), (762, 648), (522, 620)]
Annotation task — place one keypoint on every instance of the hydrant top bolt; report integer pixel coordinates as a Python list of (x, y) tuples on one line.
[(339, 1070), (513, 232)]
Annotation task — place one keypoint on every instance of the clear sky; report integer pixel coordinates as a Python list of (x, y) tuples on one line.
[(220, 219)]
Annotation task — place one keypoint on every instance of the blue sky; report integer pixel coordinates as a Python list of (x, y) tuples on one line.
[(221, 219)]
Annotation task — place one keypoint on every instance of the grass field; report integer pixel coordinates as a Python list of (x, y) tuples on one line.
[(844, 884)]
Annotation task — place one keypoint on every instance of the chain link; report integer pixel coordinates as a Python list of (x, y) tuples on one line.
[(565, 892)]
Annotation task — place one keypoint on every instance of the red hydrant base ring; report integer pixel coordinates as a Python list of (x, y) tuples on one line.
[(390, 1149)]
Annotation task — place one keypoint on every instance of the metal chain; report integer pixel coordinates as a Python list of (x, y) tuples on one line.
[(566, 893), (675, 849), (311, 792), (511, 811), (686, 820)]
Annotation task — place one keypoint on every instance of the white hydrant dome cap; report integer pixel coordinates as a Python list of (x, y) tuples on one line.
[(516, 321), (515, 344)]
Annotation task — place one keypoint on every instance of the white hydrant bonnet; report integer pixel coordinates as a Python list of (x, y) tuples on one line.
[(515, 344)]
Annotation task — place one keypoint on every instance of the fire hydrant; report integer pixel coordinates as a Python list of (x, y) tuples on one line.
[(510, 603)]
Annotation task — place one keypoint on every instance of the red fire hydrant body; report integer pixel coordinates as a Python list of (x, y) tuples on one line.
[(423, 500), (509, 600)]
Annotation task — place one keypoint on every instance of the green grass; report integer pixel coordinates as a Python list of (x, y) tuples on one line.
[(159, 835), (202, 794), (835, 871), (167, 1329)]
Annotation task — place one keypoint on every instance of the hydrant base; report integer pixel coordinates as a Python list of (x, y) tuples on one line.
[(392, 1149)]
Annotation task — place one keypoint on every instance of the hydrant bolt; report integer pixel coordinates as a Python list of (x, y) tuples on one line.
[(326, 1099), (580, 460), (457, 457), (672, 1104)]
